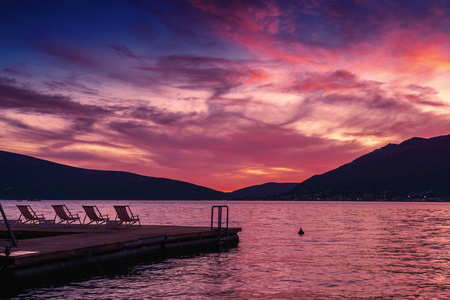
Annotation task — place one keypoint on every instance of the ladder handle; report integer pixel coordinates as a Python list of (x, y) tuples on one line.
[(219, 216)]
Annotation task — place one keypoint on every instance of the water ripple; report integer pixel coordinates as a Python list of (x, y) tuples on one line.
[(349, 250)]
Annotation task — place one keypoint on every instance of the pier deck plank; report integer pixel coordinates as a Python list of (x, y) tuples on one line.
[(77, 240)]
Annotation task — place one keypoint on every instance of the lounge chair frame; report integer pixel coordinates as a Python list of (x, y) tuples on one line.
[(64, 214), (94, 215), (29, 215), (126, 216)]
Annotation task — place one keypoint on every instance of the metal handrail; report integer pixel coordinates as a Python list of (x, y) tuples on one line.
[(219, 227), (219, 216)]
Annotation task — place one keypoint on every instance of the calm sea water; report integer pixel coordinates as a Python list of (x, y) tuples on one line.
[(349, 250)]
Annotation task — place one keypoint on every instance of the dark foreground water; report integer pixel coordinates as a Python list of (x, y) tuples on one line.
[(349, 250)]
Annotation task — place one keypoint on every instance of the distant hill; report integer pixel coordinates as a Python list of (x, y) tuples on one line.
[(262, 190), (415, 167), (23, 177)]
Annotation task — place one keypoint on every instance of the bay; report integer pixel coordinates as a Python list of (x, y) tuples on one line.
[(361, 250)]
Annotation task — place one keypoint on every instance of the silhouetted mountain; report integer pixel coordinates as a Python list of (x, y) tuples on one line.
[(262, 190), (23, 177), (415, 167)]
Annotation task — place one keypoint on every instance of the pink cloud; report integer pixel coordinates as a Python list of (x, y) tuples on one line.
[(314, 33), (255, 25), (257, 146), (339, 80)]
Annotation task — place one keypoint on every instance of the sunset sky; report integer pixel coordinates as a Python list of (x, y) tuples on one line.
[(224, 94)]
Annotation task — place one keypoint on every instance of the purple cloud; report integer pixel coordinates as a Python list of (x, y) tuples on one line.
[(160, 116), (70, 86), (26, 100), (199, 73), (73, 55), (122, 49)]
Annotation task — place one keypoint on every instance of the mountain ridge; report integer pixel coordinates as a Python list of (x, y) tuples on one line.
[(23, 177), (415, 166), (262, 190)]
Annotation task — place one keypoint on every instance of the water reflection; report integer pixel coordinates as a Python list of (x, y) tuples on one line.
[(349, 250)]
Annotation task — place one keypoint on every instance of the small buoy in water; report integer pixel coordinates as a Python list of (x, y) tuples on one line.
[(301, 232)]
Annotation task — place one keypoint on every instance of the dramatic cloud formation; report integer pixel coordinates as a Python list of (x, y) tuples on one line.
[(224, 94)]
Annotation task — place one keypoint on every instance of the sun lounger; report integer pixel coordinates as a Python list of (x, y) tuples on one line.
[(94, 215), (125, 215), (64, 214), (29, 215)]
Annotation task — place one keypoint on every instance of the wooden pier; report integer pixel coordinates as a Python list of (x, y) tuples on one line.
[(57, 248)]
